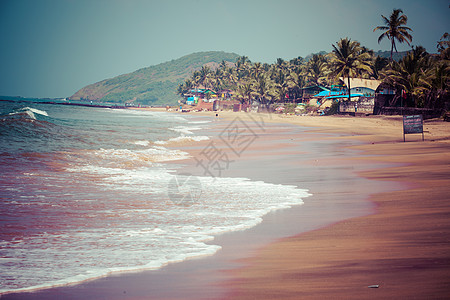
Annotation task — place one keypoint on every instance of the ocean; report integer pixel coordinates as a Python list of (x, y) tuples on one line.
[(86, 192)]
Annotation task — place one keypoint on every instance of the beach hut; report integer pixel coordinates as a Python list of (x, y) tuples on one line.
[(309, 92)]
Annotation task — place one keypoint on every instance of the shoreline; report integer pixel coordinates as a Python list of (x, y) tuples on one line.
[(230, 266)]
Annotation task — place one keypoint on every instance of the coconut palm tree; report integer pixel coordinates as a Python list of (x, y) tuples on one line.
[(347, 59), (280, 64), (440, 81), (296, 81), (378, 64), (316, 69), (257, 68), (242, 60), (230, 78), (204, 75), (412, 76), (263, 89), (443, 46), (394, 29), (242, 67), (245, 91), (296, 61), (279, 92)]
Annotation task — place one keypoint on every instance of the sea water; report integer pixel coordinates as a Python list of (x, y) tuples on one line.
[(86, 192)]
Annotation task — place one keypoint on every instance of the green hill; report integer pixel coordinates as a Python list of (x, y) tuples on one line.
[(155, 85), (395, 56)]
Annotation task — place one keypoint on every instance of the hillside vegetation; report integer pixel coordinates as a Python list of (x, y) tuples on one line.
[(155, 85)]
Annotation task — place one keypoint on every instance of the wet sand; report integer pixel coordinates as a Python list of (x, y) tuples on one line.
[(379, 215)]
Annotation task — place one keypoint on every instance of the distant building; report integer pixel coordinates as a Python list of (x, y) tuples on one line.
[(367, 87), (309, 92)]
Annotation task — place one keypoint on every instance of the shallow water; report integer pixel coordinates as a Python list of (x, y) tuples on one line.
[(89, 191)]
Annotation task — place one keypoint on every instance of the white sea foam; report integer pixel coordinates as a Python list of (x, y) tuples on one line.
[(144, 230), (147, 113), (30, 112), (142, 143), (199, 122), (153, 154), (35, 110), (183, 139), (185, 129), (115, 210), (187, 135), (27, 112)]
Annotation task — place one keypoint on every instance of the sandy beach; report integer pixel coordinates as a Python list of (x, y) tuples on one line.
[(400, 251), (403, 248), (378, 216)]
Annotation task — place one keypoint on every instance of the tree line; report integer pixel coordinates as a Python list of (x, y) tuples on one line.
[(420, 79)]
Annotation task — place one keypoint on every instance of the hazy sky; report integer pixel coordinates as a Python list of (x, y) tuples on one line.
[(52, 48)]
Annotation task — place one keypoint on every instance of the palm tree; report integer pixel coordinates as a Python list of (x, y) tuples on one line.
[(296, 61), (316, 69), (245, 91), (440, 81), (257, 68), (378, 64), (210, 80), (348, 58), (279, 91), (242, 67), (412, 75), (395, 29), (230, 78), (203, 75), (223, 65), (263, 89), (443, 46), (242, 60), (280, 64), (296, 82)]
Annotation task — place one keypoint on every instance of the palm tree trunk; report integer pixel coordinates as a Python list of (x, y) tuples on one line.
[(392, 47), (349, 87)]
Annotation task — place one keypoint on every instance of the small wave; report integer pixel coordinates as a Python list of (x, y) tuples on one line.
[(183, 139), (141, 143), (35, 110), (152, 155), (199, 122), (28, 112), (23, 129), (185, 129), (144, 231), (25, 114)]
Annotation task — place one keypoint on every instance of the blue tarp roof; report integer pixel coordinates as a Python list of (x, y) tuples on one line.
[(328, 93), (344, 96), (316, 86), (203, 91)]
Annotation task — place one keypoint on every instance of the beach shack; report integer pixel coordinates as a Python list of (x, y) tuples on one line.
[(194, 95), (203, 98), (309, 92), (362, 96), (225, 94), (325, 98)]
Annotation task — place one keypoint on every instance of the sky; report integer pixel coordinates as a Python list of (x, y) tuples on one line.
[(52, 48)]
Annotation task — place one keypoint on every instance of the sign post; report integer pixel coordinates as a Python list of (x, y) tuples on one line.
[(412, 124)]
